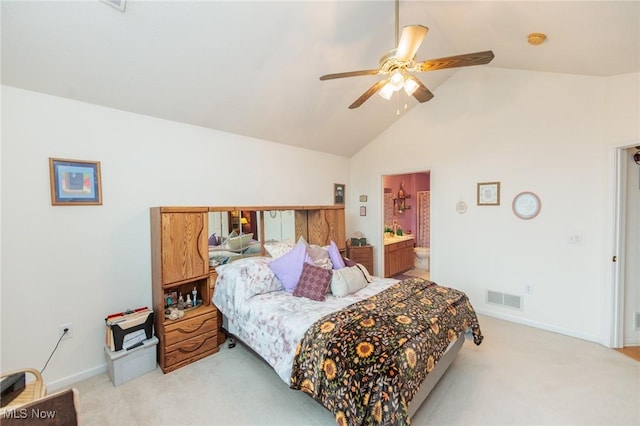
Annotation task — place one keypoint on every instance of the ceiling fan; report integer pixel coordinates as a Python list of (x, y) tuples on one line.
[(398, 62)]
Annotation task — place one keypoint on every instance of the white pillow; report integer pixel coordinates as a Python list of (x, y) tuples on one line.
[(347, 280), (320, 256), (236, 243), (278, 248)]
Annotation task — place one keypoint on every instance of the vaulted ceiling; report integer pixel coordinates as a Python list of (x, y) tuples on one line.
[(253, 67)]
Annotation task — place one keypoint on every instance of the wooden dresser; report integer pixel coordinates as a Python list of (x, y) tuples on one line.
[(363, 255)]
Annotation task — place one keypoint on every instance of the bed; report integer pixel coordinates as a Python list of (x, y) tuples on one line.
[(370, 355)]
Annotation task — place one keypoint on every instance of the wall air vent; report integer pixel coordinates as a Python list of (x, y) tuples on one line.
[(504, 299)]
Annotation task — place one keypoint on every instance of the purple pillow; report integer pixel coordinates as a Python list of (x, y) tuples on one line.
[(213, 240), (314, 282), (288, 267), (335, 256), (348, 262)]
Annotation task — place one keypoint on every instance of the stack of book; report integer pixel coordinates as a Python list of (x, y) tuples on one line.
[(129, 329)]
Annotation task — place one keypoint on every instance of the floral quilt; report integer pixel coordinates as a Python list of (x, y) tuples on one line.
[(269, 320), (366, 362)]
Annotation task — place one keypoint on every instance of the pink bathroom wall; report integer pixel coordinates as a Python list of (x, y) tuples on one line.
[(413, 182)]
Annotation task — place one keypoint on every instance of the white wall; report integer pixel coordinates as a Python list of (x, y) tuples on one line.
[(78, 264), (548, 133)]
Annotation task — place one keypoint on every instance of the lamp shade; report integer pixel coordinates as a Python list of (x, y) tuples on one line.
[(387, 91), (410, 86)]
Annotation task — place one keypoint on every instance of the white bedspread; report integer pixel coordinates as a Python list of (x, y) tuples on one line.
[(268, 319)]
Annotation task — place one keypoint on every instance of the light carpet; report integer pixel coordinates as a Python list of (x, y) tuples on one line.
[(518, 376)]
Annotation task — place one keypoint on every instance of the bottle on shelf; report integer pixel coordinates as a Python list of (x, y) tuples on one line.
[(180, 302)]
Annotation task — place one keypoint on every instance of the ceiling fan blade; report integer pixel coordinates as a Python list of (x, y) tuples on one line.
[(366, 95), (410, 41), (349, 74), (422, 94), (468, 59)]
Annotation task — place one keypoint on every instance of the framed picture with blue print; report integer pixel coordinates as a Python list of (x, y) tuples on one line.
[(75, 182)]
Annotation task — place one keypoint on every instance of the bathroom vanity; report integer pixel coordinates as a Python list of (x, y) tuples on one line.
[(398, 255)]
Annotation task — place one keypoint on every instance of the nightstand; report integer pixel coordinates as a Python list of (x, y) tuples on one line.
[(362, 255)]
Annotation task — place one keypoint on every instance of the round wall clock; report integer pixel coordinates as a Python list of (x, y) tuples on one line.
[(526, 205), (461, 207)]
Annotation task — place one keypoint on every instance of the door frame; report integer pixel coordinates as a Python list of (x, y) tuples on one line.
[(380, 258), (618, 245), (615, 338)]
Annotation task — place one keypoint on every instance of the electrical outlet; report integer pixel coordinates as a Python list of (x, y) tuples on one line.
[(528, 288), (69, 327)]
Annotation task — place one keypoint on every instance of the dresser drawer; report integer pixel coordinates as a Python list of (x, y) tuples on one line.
[(191, 349), (360, 258), (186, 329), (362, 255)]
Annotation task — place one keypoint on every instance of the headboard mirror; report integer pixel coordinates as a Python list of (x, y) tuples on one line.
[(242, 232), (279, 225), (237, 232)]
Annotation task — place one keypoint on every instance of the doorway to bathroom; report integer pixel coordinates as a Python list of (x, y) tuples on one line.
[(407, 224)]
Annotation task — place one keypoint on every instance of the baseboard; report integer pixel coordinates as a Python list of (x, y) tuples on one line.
[(68, 382), (540, 325)]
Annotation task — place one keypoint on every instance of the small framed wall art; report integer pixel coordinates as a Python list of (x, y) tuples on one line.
[(338, 193), (489, 193), (363, 210), (75, 182)]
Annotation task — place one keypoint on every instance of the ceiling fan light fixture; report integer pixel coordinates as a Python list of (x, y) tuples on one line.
[(410, 86), (397, 80), (387, 91)]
